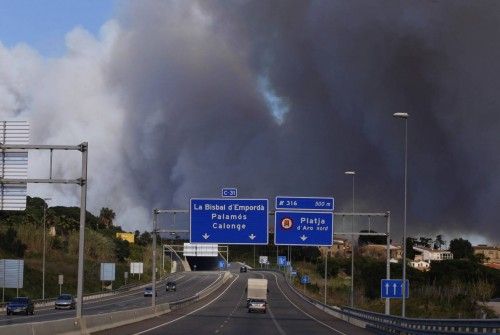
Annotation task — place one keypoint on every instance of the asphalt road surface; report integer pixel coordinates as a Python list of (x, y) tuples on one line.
[(188, 283), (225, 312)]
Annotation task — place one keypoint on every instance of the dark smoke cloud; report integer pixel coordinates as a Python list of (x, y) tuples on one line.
[(190, 76)]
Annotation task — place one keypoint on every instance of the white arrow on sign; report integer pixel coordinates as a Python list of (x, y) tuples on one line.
[(252, 236), (303, 237), (386, 288), (394, 286), (205, 236)]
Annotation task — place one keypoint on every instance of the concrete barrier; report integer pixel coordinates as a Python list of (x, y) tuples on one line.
[(100, 322)]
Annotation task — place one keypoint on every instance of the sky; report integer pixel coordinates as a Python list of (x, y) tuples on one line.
[(178, 99), (43, 25)]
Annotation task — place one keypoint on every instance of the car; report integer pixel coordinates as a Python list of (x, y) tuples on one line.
[(65, 301), (148, 292), (243, 269), (20, 305), (170, 286), (257, 305)]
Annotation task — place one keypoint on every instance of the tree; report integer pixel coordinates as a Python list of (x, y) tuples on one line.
[(439, 242), (410, 243), (144, 239), (106, 217), (122, 249), (461, 249), (10, 243), (424, 241)]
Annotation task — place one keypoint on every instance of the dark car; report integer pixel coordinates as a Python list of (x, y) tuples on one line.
[(65, 301), (171, 286), (243, 269), (148, 292), (257, 305), (19, 305)]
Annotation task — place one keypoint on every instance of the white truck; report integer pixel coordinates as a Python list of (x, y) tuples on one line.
[(257, 295)]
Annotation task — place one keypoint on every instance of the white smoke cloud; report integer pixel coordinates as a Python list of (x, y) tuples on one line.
[(67, 100)]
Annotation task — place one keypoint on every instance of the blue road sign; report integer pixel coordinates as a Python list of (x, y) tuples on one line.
[(305, 279), (303, 228), (305, 203), (282, 260), (393, 288), (229, 221), (229, 192), (222, 264)]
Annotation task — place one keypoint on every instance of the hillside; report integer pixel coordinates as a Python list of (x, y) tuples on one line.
[(21, 237)]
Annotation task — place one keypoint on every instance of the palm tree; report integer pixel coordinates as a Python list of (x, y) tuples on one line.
[(106, 217)]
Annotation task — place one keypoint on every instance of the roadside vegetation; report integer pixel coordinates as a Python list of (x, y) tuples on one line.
[(21, 237), (456, 288)]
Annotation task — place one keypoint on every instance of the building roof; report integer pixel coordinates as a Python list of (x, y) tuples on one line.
[(436, 251), (485, 247)]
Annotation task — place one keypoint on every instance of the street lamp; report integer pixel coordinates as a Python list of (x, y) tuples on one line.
[(45, 205), (352, 173), (404, 116)]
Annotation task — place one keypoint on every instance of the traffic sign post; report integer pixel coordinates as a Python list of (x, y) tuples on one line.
[(229, 221), (305, 203), (393, 289), (305, 280), (303, 228), (60, 281)]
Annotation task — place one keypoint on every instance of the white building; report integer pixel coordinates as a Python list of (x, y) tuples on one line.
[(430, 255)]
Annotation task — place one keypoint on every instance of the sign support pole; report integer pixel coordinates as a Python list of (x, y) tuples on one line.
[(83, 211), (388, 261), (153, 296), (326, 273)]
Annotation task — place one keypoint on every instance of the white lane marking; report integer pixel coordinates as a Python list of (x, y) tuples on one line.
[(278, 327), (310, 316), (88, 305), (196, 310)]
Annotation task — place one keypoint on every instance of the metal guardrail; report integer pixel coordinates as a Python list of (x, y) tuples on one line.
[(88, 296), (388, 324), (100, 322), (398, 325)]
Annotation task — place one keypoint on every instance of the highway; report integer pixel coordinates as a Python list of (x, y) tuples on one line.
[(224, 312), (188, 283)]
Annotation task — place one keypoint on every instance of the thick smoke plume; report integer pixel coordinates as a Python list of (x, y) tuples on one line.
[(179, 98)]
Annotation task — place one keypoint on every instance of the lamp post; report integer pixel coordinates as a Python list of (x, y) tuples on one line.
[(404, 116), (352, 173), (45, 205)]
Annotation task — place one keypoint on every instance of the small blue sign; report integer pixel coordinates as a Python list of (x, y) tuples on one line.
[(229, 192), (281, 260), (222, 264), (393, 288), (303, 228), (305, 279), (229, 221), (304, 203)]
